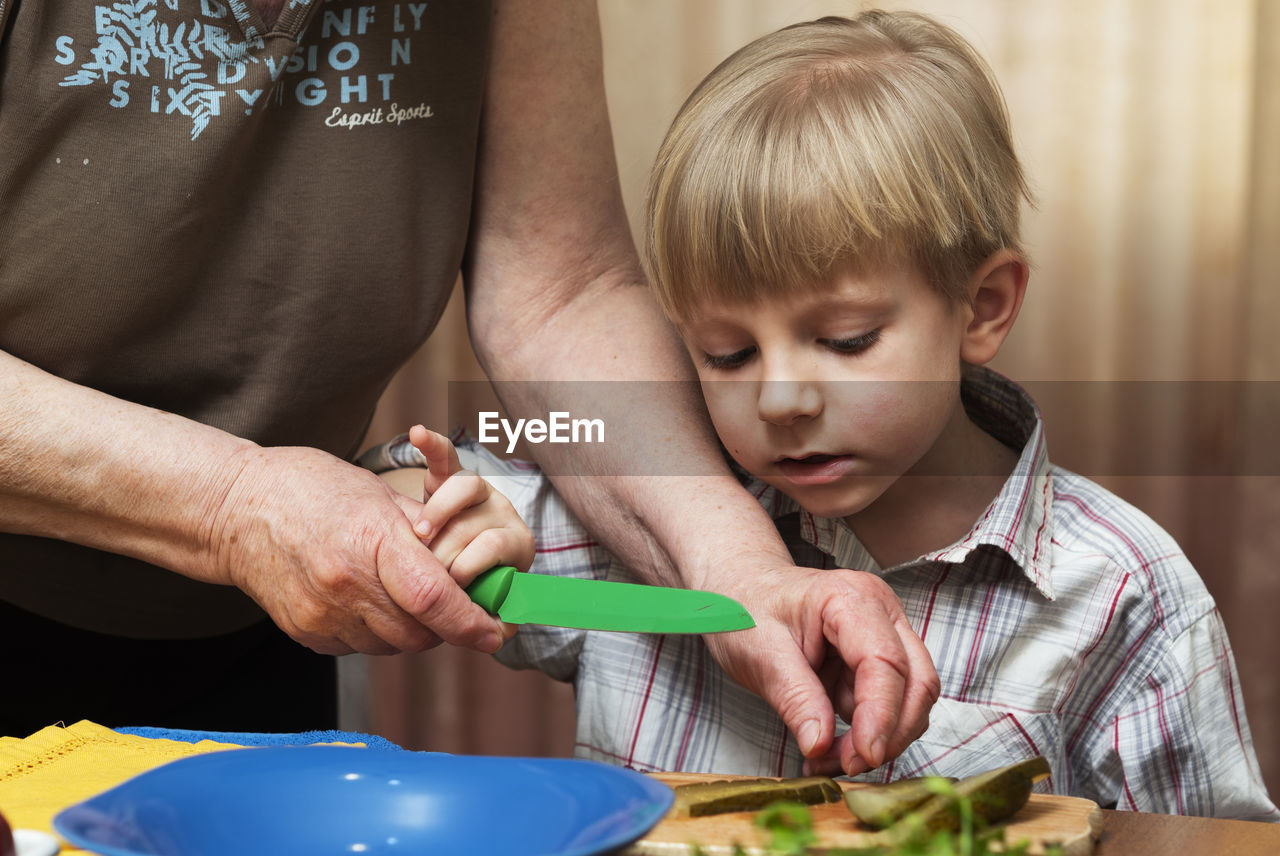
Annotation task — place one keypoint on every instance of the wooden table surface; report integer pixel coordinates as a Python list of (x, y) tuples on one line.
[(1127, 833)]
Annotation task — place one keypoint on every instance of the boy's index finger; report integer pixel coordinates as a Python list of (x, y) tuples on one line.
[(442, 457)]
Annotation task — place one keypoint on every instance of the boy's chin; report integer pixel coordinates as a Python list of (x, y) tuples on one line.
[(839, 500)]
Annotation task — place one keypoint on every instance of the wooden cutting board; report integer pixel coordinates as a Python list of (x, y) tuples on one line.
[(1072, 822)]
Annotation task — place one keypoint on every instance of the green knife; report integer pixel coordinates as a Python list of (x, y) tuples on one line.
[(521, 598)]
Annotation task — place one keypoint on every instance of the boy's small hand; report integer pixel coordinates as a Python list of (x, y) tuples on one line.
[(468, 525)]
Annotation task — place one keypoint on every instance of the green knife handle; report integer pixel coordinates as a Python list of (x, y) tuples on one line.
[(490, 589)]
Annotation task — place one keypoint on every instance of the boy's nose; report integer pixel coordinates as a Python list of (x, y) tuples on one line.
[(783, 402)]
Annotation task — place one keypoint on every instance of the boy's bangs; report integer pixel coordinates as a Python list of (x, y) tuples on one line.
[(751, 213), (755, 214), (813, 156)]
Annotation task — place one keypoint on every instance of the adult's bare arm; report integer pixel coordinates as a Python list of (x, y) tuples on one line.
[(559, 315), (324, 547)]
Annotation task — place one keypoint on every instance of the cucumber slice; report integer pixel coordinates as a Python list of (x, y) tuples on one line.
[(879, 806), (705, 798), (995, 795)]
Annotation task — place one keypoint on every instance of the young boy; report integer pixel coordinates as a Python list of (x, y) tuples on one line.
[(833, 229)]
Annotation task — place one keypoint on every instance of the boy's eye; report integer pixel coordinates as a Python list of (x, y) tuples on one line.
[(729, 361), (853, 344)]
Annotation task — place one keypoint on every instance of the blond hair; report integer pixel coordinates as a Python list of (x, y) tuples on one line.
[(830, 144)]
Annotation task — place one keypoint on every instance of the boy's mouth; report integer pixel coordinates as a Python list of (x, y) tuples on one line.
[(815, 469)]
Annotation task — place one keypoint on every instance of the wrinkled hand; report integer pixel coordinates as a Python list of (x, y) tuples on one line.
[(469, 525), (328, 550), (832, 642)]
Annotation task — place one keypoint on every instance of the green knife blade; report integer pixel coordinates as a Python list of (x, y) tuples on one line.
[(521, 598)]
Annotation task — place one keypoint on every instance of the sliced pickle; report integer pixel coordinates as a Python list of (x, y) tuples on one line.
[(995, 795), (879, 806), (704, 798)]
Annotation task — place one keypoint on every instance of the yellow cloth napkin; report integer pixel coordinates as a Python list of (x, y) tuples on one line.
[(58, 767)]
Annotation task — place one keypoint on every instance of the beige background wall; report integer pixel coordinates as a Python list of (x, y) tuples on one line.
[(1151, 131)]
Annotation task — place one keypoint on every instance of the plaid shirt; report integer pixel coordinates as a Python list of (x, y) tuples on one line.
[(1065, 624)]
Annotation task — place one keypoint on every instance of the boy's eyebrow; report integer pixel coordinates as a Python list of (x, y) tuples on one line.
[(844, 304), (821, 312)]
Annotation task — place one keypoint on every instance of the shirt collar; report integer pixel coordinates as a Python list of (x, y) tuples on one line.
[(1018, 522)]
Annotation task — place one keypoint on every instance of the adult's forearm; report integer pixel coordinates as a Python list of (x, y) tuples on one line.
[(323, 546), (81, 466), (658, 490), (561, 318)]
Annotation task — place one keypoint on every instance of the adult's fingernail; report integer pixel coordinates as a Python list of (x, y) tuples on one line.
[(808, 736), (877, 752), (492, 643)]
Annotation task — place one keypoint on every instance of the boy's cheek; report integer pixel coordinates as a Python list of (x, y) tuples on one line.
[(736, 430), (727, 406)]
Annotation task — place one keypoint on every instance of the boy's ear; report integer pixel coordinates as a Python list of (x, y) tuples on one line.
[(995, 292)]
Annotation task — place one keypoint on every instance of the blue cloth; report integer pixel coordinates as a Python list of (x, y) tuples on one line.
[(250, 738)]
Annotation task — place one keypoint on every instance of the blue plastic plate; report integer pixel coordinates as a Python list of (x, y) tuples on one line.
[(335, 799)]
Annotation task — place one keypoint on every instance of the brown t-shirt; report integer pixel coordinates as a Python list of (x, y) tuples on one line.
[(250, 228)]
